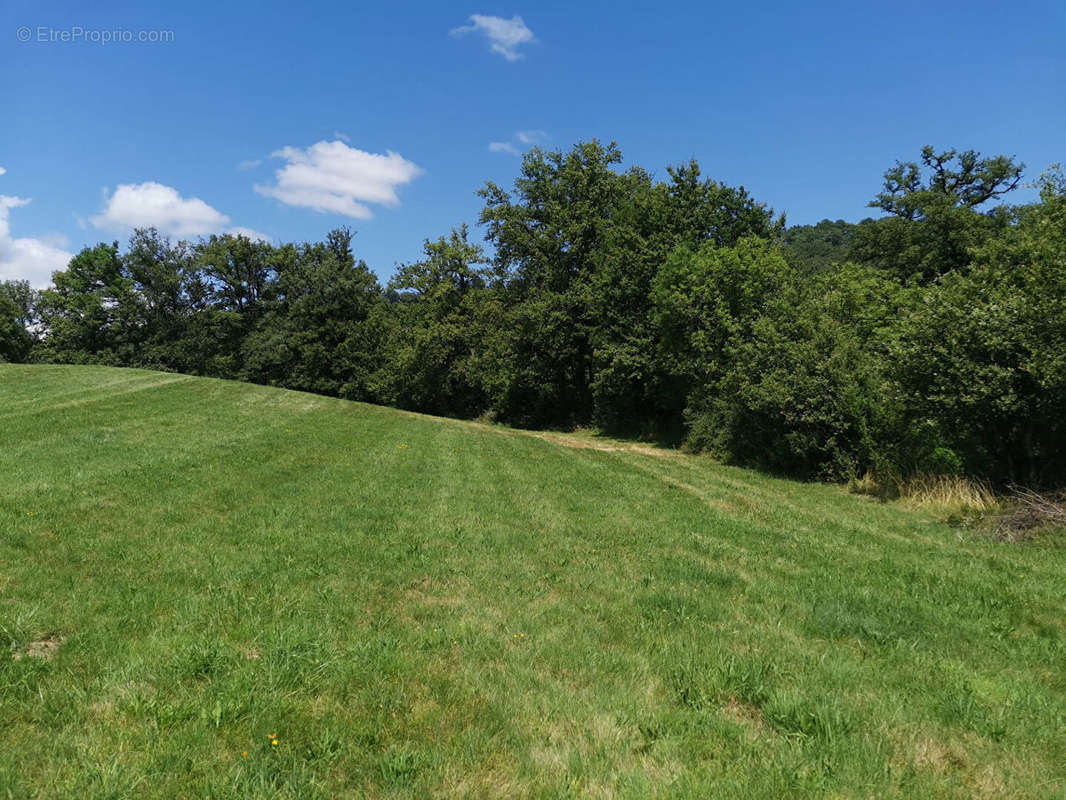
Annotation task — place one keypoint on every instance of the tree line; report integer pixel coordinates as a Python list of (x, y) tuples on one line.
[(929, 340)]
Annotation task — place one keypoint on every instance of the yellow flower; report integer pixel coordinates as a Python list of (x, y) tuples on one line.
[(273, 742)]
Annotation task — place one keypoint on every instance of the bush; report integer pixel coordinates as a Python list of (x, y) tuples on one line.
[(805, 392)]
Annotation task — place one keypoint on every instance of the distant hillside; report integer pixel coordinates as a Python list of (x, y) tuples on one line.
[(813, 248)]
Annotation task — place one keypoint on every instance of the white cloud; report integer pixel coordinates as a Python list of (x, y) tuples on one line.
[(28, 259), (2, 170), (333, 177), (531, 137), (504, 35), (153, 205), (150, 204), (525, 138), (254, 235), (251, 163)]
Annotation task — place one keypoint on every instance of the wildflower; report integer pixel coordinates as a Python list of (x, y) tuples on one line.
[(244, 754)]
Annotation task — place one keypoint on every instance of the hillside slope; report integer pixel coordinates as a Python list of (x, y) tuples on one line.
[(213, 589)]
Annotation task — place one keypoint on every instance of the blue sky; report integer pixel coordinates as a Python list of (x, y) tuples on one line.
[(383, 116)]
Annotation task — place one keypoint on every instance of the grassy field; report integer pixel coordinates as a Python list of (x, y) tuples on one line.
[(211, 589)]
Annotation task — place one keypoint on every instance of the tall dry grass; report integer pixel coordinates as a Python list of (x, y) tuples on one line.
[(950, 497)]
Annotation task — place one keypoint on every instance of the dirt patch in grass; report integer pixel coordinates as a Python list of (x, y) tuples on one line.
[(429, 594), (612, 446), (748, 716), (988, 783), (940, 757), (252, 653), (571, 440), (44, 649), (946, 757)]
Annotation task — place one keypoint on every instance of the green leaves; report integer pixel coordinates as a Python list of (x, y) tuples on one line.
[(15, 340), (971, 182), (934, 225)]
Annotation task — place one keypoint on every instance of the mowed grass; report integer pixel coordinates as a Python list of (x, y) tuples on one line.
[(421, 607)]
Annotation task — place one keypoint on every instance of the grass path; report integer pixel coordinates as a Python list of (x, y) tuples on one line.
[(423, 607)]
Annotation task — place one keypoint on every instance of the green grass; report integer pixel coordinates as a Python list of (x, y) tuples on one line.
[(423, 607)]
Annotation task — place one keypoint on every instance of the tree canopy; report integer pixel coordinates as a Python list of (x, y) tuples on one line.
[(932, 339)]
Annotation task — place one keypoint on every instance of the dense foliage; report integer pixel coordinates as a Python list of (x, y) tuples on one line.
[(18, 316), (813, 248), (932, 339)]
